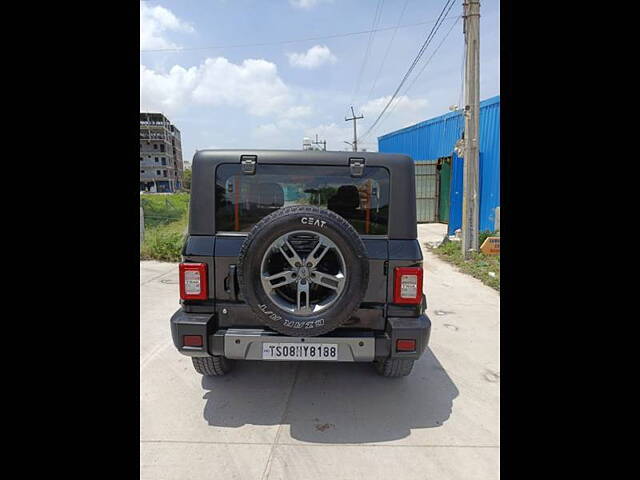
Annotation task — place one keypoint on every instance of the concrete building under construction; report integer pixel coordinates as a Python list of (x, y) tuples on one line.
[(161, 165)]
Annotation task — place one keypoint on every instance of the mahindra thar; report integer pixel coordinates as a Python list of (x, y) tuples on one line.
[(301, 256)]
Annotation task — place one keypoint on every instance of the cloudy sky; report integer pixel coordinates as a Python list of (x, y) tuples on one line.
[(260, 87)]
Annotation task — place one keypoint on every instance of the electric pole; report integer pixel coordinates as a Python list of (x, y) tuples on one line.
[(470, 207), (323, 143), (355, 136)]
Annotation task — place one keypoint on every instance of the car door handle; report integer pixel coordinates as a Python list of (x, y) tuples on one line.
[(231, 283)]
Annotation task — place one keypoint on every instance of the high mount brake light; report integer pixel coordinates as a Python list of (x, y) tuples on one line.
[(408, 285), (193, 281)]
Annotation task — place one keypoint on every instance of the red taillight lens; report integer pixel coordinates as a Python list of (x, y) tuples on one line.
[(408, 285), (193, 281), (192, 341), (406, 345)]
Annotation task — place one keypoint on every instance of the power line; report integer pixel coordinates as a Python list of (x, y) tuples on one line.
[(420, 73), (284, 42), (426, 43), (384, 59), (432, 55), (376, 19)]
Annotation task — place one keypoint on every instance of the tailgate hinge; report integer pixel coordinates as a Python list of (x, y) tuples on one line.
[(356, 165), (248, 164)]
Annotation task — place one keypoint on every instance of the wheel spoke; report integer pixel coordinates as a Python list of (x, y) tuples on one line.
[(299, 272), (290, 254), (334, 282), (320, 250), (278, 280), (303, 297)]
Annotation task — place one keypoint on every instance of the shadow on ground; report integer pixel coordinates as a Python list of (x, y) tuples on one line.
[(331, 402)]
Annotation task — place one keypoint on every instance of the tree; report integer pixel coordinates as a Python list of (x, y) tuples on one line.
[(186, 179)]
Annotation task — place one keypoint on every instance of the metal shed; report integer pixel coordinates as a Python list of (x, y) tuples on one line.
[(439, 170)]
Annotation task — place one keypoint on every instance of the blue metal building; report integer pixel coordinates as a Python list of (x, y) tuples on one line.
[(432, 143)]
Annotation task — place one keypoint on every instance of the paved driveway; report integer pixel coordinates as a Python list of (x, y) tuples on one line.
[(288, 420)]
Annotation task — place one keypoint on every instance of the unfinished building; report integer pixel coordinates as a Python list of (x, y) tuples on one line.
[(161, 166)]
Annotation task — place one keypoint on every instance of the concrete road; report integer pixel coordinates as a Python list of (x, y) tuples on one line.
[(288, 420)]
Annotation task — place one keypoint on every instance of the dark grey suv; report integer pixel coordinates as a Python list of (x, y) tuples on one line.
[(301, 255)]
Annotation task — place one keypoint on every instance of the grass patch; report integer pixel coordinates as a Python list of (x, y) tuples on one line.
[(164, 242), (478, 266), (165, 220), (163, 209)]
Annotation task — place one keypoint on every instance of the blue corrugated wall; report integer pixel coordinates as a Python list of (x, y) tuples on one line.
[(435, 138)]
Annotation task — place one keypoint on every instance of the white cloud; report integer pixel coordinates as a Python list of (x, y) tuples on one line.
[(299, 111), (253, 85), (334, 134), (401, 104), (154, 22), (404, 111), (271, 130), (268, 130), (282, 133), (166, 92), (313, 58), (307, 3)]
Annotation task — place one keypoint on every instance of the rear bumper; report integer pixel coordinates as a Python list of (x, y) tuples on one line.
[(245, 344)]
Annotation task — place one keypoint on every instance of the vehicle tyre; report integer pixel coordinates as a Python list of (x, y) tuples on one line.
[(394, 367), (303, 270), (214, 366)]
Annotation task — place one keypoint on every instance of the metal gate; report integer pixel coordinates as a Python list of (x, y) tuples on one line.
[(444, 189), (426, 191)]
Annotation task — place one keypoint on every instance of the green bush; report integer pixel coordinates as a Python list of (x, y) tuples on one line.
[(165, 221), (160, 244), (163, 209), (486, 233), (478, 265)]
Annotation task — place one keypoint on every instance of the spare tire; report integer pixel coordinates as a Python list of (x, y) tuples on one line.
[(303, 270)]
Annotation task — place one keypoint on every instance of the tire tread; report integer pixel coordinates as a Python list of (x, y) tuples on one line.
[(394, 367), (214, 366), (343, 224)]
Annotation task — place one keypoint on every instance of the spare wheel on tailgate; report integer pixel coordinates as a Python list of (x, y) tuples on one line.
[(303, 270)]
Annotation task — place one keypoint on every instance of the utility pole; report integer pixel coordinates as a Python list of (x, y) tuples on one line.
[(323, 143), (355, 136), (470, 207)]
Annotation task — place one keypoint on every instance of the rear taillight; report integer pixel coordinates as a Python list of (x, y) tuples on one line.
[(192, 341), (406, 345), (408, 285), (193, 281)]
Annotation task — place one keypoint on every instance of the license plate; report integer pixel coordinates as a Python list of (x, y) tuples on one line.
[(300, 351)]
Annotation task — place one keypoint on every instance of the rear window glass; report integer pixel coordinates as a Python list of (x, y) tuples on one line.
[(243, 200)]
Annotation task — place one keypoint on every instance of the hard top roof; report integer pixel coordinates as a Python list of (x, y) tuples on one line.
[(302, 157), (402, 202)]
